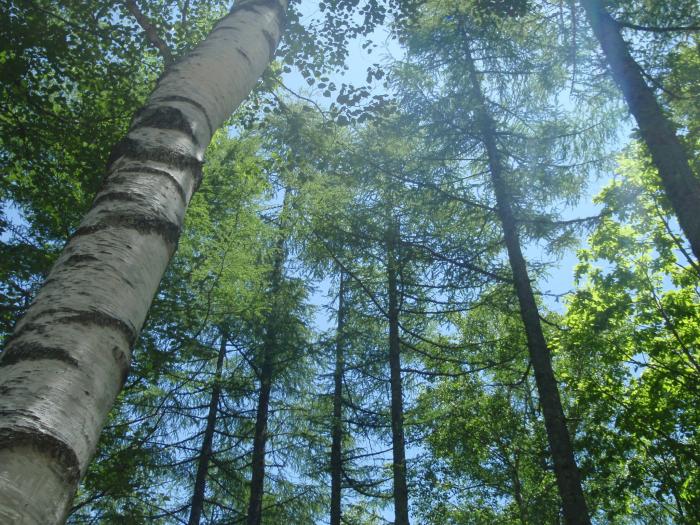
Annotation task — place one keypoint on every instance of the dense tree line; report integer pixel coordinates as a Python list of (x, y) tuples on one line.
[(333, 309)]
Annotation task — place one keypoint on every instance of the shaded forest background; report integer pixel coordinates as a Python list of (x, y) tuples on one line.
[(349, 262)]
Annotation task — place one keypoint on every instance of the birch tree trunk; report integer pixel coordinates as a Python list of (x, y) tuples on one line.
[(682, 187), (337, 423), (205, 452), (397, 430), (69, 356), (565, 468)]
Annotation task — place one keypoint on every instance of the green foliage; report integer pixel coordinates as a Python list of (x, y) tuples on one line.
[(323, 192), (487, 459), (632, 341)]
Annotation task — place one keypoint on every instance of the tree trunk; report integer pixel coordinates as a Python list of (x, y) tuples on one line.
[(69, 356), (397, 433), (565, 468), (518, 490), (267, 370), (257, 480), (337, 425), (682, 187), (206, 451)]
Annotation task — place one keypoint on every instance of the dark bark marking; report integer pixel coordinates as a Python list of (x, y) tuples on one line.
[(191, 102), (76, 316), (245, 6), (117, 177), (27, 327), (245, 56), (253, 5), (122, 362), (271, 43), (164, 117), (169, 231), (128, 147), (223, 28), (104, 320), (53, 447), (74, 259), (35, 352), (123, 196)]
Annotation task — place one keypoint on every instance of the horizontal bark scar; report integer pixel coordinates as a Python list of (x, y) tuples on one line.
[(123, 196), (223, 28), (119, 177), (104, 320), (169, 231), (41, 442), (21, 351), (164, 117), (77, 258), (70, 315), (135, 149), (245, 56), (191, 102)]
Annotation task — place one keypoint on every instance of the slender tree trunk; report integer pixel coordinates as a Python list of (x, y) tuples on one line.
[(565, 468), (206, 450), (682, 187), (69, 356), (257, 481), (337, 425), (397, 432), (267, 370), (518, 491)]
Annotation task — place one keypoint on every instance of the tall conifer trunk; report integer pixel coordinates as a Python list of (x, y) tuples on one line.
[(257, 480), (682, 187), (266, 371), (205, 451), (397, 432), (337, 423), (69, 356), (565, 468)]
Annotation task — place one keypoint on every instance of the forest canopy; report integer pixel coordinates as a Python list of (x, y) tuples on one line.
[(353, 262)]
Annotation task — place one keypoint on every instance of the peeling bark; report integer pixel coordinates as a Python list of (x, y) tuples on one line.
[(565, 468), (682, 187), (94, 302)]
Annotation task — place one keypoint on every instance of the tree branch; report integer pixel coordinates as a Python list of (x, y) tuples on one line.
[(654, 29), (151, 31)]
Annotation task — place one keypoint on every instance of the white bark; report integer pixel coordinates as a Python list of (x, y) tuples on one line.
[(68, 357)]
